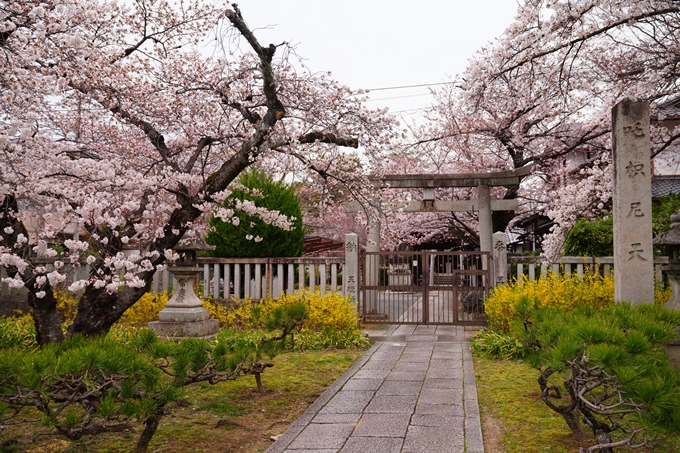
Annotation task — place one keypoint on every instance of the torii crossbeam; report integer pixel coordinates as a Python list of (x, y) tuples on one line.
[(428, 182)]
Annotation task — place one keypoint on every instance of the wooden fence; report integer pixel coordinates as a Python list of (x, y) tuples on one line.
[(256, 278), (533, 267)]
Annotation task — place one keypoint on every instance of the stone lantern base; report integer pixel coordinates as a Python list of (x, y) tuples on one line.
[(187, 329), (673, 273), (184, 314)]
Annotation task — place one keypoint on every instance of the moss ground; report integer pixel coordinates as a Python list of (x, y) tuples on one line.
[(227, 417), (512, 412)]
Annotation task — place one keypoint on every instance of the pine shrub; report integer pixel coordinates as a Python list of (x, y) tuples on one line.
[(614, 359)]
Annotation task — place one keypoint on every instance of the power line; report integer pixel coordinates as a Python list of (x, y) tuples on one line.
[(399, 97), (409, 86)]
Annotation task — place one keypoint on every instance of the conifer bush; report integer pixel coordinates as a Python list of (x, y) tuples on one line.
[(85, 387), (608, 368)]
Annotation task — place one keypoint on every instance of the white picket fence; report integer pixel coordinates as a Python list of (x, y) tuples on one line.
[(532, 267), (257, 278)]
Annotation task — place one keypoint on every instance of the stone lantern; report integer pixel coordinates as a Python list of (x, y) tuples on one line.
[(184, 314), (670, 241)]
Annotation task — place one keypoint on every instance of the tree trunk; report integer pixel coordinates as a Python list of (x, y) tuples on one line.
[(99, 310), (572, 419), (258, 381), (151, 425), (45, 318), (604, 438), (570, 412)]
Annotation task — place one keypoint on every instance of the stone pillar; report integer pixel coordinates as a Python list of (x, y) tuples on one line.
[(633, 253), (485, 227), (500, 259), (350, 271), (372, 270), (485, 222)]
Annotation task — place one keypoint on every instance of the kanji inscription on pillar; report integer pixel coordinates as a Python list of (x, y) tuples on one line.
[(633, 253), (350, 271)]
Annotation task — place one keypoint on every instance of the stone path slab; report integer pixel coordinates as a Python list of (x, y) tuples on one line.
[(413, 391)]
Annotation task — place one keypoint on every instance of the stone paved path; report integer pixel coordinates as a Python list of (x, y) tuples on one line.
[(413, 391)]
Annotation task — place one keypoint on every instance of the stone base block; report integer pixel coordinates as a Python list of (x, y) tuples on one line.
[(184, 314), (375, 317), (188, 329)]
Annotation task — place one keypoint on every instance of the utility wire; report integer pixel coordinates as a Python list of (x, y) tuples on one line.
[(409, 86), (399, 97)]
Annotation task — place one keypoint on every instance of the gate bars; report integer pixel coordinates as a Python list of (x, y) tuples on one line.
[(425, 287)]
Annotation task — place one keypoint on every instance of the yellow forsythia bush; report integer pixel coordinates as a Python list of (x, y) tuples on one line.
[(67, 306), (145, 310), (330, 312), (331, 322), (554, 291)]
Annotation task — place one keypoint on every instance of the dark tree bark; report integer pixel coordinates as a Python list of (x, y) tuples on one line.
[(569, 411), (46, 318), (99, 310), (150, 427)]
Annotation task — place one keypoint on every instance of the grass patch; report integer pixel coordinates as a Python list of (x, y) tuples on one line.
[(509, 394), (227, 417), (510, 402)]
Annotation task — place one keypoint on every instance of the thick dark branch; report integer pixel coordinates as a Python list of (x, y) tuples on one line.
[(200, 146), (156, 138), (249, 115), (670, 142), (275, 109), (322, 137)]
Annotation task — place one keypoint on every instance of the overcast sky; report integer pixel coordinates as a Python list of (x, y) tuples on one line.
[(375, 44)]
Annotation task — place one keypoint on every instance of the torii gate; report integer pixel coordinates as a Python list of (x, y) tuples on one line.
[(428, 182)]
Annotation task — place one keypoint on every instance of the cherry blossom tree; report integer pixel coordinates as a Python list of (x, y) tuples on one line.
[(124, 122), (545, 89)]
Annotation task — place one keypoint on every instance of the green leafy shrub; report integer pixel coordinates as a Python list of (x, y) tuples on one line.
[(17, 332), (590, 238), (498, 345), (661, 212), (238, 238), (596, 237)]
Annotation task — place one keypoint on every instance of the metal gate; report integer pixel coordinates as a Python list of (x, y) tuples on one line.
[(425, 287)]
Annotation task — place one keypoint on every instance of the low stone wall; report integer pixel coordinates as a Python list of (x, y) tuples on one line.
[(10, 304)]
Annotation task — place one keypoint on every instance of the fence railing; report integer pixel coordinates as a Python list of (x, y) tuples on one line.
[(533, 267), (257, 278)]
